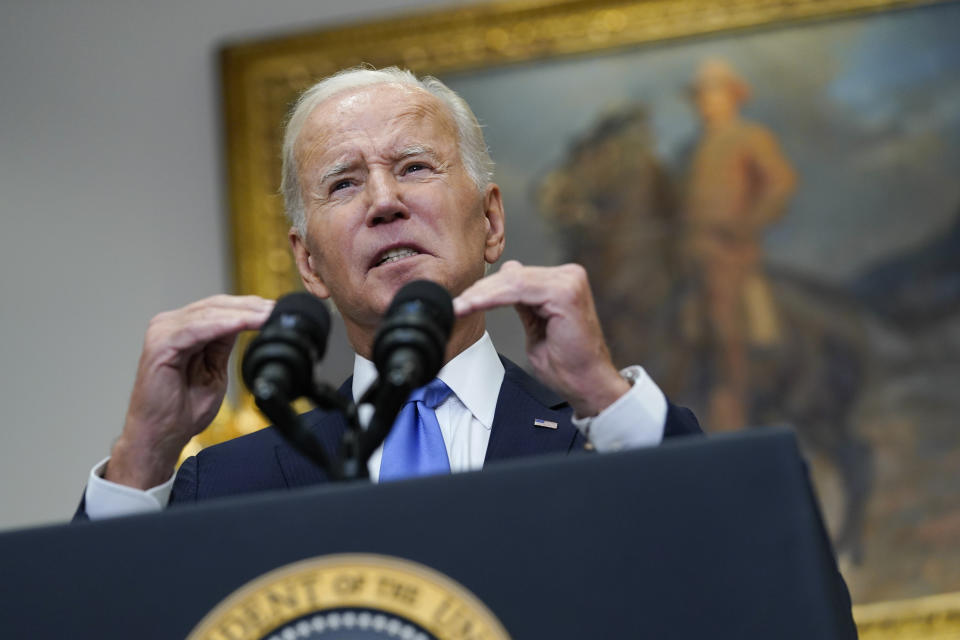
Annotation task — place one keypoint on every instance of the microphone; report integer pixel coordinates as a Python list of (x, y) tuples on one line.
[(279, 362), (408, 352), (409, 346)]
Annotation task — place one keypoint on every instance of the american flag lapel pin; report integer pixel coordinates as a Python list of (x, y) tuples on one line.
[(546, 424)]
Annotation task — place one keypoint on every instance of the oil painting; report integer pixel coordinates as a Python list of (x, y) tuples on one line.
[(771, 223)]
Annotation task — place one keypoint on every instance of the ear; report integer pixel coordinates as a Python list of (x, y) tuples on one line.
[(493, 212), (305, 265)]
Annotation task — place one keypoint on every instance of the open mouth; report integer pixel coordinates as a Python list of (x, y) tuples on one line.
[(393, 255)]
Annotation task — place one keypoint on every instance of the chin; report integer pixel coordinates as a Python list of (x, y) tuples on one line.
[(401, 274)]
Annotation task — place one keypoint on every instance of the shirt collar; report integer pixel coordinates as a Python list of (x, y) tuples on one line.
[(474, 376)]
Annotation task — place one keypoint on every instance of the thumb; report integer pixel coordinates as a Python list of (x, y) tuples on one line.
[(533, 325), (218, 352)]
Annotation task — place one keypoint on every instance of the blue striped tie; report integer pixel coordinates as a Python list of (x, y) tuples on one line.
[(415, 445)]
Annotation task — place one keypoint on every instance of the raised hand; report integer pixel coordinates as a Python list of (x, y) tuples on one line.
[(180, 384), (565, 343)]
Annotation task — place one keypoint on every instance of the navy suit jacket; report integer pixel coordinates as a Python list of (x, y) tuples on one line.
[(264, 460)]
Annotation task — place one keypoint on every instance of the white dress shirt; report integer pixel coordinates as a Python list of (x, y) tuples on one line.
[(636, 419)]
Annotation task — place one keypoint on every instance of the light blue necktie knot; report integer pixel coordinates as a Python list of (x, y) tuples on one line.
[(414, 446), (431, 395)]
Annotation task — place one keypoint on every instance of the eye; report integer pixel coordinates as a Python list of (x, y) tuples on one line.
[(414, 167), (341, 184)]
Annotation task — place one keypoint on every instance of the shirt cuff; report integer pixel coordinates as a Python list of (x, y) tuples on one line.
[(105, 499), (636, 419)]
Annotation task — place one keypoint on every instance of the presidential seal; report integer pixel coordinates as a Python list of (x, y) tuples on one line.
[(351, 597)]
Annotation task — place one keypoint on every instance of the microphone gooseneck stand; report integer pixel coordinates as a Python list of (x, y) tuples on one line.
[(387, 395), (277, 407), (356, 444)]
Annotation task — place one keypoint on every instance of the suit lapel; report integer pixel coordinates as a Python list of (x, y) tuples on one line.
[(522, 401)]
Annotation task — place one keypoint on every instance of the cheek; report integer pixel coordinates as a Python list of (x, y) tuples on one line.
[(322, 251), (328, 228)]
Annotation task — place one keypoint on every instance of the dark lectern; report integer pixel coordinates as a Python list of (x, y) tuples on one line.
[(702, 538)]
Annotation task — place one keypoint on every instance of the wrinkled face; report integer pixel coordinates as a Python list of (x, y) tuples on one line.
[(388, 200)]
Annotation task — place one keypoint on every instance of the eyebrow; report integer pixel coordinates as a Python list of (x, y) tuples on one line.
[(416, 150), (337, 169), (344, 166)]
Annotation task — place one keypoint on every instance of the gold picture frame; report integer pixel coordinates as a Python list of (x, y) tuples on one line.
[(262, 78)]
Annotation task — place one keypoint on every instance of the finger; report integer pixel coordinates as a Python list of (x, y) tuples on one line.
[(189, 332), (219, 324), (207, 309), (534, 326), (493, 289), (511, 265), (224, 301), (218, 352), (516, 284), (498, 290)]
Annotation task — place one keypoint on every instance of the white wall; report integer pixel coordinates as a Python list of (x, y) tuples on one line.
[(112, 205)]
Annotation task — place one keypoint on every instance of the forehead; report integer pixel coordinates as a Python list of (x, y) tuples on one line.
[(381, 114), (715, 86)]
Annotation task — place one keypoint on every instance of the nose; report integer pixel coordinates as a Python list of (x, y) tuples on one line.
[(385, 199)]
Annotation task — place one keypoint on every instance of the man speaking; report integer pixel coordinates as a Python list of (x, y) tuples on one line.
[(386, 180)]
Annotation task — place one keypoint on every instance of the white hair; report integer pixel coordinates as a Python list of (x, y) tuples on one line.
[(473, 148)]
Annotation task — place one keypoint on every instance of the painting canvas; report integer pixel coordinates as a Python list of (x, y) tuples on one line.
[(771, 222)]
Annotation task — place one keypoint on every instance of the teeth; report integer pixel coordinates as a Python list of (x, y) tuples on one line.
[(395, 254)]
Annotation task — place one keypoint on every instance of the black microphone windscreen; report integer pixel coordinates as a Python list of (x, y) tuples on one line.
[(291, 341), (305, 313), (306, 306), (431, 295)]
